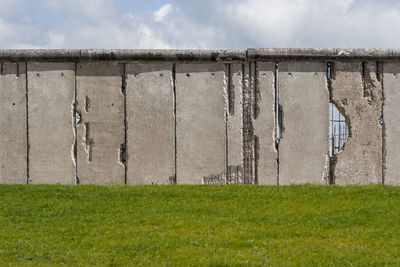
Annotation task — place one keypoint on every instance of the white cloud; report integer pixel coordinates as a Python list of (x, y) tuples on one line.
[(164, 11), (200, 24)]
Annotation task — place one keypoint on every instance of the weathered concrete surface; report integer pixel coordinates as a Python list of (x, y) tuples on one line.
[(200, 123), (51, 89), (162, 55), (264, 124), (13, 153), (173, 55), (321, 54), (391, 81), (101, 132), (304, 144), (357, 94), (150, 123), (235, 124), (249, 153)]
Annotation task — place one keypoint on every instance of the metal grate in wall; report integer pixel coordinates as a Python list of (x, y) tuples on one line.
[(338, 130)]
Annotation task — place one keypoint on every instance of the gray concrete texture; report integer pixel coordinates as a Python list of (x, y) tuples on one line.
[(235, 124), (13, 138), (391, 133), (150, 123), (101, 131), (304, 143), (200, 123), (357, 94), (264, 124), (51, 133)]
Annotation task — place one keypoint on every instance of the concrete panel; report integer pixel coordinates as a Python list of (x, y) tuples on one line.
[(200, 123), (357, 94), (13, 153), (235, 124), (391, 81), (151, 124), (264, 124), (304, 147), (51, 89), (101, 132)]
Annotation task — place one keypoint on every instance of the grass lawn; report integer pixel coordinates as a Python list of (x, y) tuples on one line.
[(199, 225)]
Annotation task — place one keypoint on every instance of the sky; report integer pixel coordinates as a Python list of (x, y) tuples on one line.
[(199, 24)]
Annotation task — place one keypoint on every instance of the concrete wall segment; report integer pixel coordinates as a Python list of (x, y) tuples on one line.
[(304, 143), (150, 123), (13, 125), (51, 135), (200, 123), (357, 94), (101, 131)]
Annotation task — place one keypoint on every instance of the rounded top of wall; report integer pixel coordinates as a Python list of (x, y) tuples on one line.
[(222, 56), (325, 54)]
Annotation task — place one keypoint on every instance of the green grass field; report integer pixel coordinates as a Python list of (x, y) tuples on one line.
[(199, 225)]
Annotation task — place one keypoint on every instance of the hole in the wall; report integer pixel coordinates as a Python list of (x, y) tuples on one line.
[(13, 104), (161, 75), (188, 75), (339, 130), (77, 117)]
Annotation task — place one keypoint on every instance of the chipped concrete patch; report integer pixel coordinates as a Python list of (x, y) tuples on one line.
[(235, 175), (217, 179), (249, 157)]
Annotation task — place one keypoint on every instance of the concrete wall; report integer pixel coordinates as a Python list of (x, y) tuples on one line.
[(197, 117)]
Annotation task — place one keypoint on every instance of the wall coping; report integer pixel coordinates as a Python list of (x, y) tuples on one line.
[(160, 55)]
